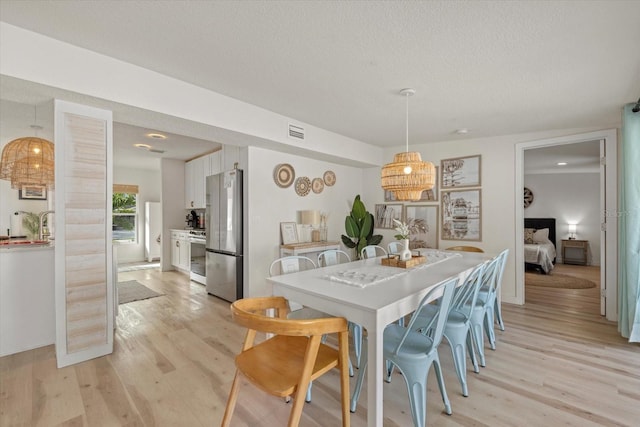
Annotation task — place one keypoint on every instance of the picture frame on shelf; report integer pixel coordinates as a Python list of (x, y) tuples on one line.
[(423, 225), (289, 233), (385, 214), (461, 215), (32, 192), (461, 172)]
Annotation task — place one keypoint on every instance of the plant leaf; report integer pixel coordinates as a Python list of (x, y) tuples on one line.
[(348, 242), (358, 210), (367, 226), (375, 240), (351, 227)]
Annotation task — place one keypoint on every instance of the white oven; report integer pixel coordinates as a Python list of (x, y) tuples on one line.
[(197, 241)]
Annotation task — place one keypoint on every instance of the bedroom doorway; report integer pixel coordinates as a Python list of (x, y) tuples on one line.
[(599, 227)]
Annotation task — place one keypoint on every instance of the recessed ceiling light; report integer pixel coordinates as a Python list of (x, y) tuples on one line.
[(462, 131), (561, 163), (156, 136), (143, 146)]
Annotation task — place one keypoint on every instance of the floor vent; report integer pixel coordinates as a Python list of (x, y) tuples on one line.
[(296, 132)]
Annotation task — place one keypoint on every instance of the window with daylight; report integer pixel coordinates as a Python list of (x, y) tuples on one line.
[(125, 213)]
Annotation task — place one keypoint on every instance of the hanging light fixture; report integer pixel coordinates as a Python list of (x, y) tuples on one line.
[(408, 176), (28, 161)]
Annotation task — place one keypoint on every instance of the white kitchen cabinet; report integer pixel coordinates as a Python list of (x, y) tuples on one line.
[(180, 249), (194, 190), (188, 187), (197, 170), (27, 309)]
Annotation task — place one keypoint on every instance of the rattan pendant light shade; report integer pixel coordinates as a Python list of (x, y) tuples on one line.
[(28, 161), (408, 176), (408, 187)]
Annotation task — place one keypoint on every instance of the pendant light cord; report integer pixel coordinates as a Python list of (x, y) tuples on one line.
[(407, 121)]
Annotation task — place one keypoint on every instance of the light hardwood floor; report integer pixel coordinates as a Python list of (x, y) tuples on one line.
[(557, 363)]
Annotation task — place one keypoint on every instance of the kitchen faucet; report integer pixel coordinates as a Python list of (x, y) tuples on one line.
[(41, 217)]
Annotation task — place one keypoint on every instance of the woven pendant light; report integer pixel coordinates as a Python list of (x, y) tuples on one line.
[(408, 176), (28, 160)]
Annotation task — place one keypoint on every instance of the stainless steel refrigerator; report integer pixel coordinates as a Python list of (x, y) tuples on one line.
[(224, 235)]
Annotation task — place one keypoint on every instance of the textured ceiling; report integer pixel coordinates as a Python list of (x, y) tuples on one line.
[(495, 68)]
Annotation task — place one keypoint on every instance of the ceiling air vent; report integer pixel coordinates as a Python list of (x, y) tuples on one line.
[(296, 132)]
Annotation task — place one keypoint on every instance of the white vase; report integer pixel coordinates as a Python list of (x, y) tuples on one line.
[(405, 255)]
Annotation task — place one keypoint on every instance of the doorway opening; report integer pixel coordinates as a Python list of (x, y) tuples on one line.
[(601, 232)]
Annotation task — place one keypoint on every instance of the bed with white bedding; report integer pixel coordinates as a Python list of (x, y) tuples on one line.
[(539, 243), (541, 255)]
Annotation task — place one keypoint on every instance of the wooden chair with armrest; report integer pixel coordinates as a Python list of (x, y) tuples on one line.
[(285, 364), (464, 249)]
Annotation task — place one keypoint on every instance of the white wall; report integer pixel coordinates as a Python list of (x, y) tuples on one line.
[(23, 52), (149, 190), (268, 205), (172, 199), (498, 191), (569, 198)]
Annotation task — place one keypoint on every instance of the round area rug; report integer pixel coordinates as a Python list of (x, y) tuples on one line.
[(557, 281)]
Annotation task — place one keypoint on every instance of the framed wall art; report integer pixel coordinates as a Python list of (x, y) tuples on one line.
[(461, 215), (389, 196), (289, 231), (32, 192), (460, 172), (423, 225), (385, 214)]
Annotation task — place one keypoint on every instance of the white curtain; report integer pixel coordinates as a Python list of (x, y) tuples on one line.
[(629, 228)]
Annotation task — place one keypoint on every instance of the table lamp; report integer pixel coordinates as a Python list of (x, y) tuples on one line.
[(309, 220), (572, 231)]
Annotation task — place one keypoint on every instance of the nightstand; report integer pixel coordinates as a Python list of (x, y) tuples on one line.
[(575, 251)]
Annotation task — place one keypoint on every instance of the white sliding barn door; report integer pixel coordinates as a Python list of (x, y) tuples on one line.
[(83, 257)]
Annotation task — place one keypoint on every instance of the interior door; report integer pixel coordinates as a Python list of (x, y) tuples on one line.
[(603, 228)]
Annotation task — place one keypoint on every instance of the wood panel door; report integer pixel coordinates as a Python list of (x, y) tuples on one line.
[(84, 287)]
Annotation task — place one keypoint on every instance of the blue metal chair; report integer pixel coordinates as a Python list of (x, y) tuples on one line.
[(372, 251), (457, 328), (488, 297), (333, 257), (395, 247), (413, 353)]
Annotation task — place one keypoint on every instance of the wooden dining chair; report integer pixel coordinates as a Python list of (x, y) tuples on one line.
[(464, 249), (293, 264), (285, 364)]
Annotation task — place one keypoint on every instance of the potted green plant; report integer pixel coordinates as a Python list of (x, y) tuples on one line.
[(359, 228)]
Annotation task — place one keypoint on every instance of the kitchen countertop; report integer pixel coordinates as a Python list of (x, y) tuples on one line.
[(24, 244)]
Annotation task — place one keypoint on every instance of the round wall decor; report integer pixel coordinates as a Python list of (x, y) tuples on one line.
[(283, 175), (303, 186), (317, 185), (329, 178), (528, 197)]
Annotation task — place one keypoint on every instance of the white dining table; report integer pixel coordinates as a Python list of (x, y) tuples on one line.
[(372, 306)]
